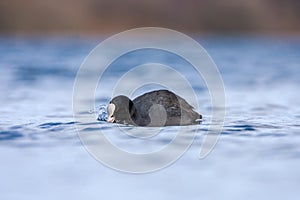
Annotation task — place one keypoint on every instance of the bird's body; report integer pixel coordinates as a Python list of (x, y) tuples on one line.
[(156, 108)]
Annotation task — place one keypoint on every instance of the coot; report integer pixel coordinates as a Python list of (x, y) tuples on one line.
[(157, 108)]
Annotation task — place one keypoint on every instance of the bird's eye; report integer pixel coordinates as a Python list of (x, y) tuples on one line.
[(112, 116)]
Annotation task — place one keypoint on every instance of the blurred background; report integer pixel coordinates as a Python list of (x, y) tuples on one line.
[(44, 42), (106, 16)]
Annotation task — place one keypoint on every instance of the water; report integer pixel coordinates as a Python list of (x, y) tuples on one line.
[(257, 156)]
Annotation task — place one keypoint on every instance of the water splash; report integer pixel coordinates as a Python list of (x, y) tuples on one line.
[(102, 113)]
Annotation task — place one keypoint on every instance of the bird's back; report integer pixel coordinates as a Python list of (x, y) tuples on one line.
[(176, 110)]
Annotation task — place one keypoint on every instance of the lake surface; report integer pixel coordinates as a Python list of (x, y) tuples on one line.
[(256, 157)]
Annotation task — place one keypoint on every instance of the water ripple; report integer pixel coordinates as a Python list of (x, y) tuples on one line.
[(54, 124), (10, 135)]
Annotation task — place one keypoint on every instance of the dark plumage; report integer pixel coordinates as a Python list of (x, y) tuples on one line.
[(156, 108)]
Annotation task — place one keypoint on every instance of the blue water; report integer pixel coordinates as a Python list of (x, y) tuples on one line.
[(256, 157)]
